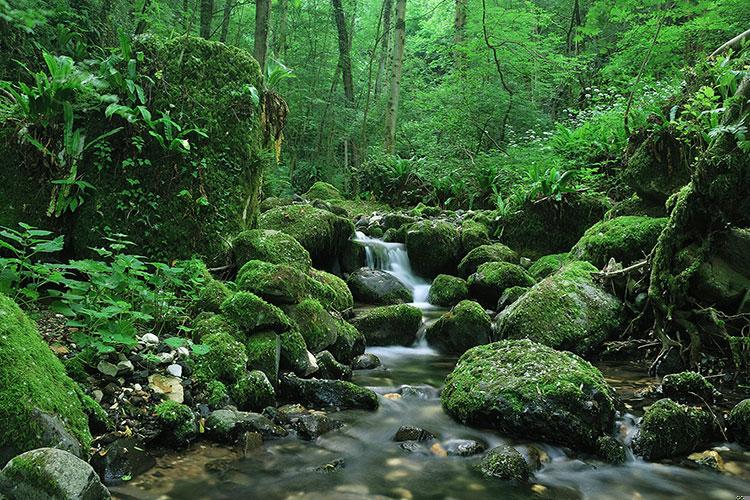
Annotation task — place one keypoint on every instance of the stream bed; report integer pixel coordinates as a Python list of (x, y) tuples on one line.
[(361, 460)]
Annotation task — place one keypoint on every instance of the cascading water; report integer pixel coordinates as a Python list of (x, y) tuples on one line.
[(392, 258)]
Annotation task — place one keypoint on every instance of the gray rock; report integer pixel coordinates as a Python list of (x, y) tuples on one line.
[(314, 424), (125, 457), (124, 367), (463, 447), (49, 473), (175, 370), (366, 361), (411, 433), (327, 393), (150, 339), (372, 286), (228, 425), (107, 368)]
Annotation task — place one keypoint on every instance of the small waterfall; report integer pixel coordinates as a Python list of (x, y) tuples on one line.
[(392, 258)]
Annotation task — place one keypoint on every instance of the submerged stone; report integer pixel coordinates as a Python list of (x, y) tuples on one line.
[(504, 462), (372, 286)]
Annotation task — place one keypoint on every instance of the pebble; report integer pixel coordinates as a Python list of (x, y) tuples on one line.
[(150, 339), (392, 395), (107, 368), (183, 352), (165, 358), (125, 366), (175, 370), (98, 395)]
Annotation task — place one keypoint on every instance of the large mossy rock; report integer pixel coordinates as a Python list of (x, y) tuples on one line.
[(269, 246), (328, 393), (525, 389), (739, 422), (447, 291), (389, 325), (497, 252), (322, 233), (487, 285), (372, 286), (670, 429), (566, 311), (184, 205), (318, 327), (40, 406), (323, 191), (349, 344), (535, 229), (282, 284), (50, 474), (247, 313), (433, 247), (473, 234), (626, 239), (463, 327), (342, 297), (547, 264)]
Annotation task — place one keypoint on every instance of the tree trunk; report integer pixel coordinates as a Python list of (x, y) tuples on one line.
[(344, 53), (262, 22), (207, 14), (228, 6), (280, 35), (398, 59), (385, 46), (459, 31)]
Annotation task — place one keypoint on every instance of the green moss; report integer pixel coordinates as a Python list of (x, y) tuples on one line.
[(392, 235), (211, 295), (317, 326), (273, 202), (447, 291), (322, 191), (253, 392), (504, 462), (269, 246), (473, 235), (30, 469), (208, 323), (33, 380), (282, 284), (389, 325), (611, 450), (546, 265), (349, 344), (251, 313), (739, 422), (510, 295), (487, 285), (264, 353), (342, 296), (225, 361), (216, 394), (496, 252), (635, 206), (465, 326), (522, 388), (322, 233), (688, 386), (625, 239), (293, 353), (566, 311), (433, 247), (79, 365), (177, 421), (669, 429)]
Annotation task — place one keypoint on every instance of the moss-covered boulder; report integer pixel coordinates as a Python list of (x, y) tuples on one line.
[(669, 429), (723, 279), (525, 389), (341, 298), (323, 191), (497, 252), (338, 394), (389, 325), (349, 344), (688, 387), (225, 360), (635, 205), (625, 239), (264, 353), (250, 313), (504, 462), (253, 391), (330, 368), (447, 291), (487, 285), (542, 228), (177, 423), (269, 246), (433, 247), (463, 327), (294, 356), (372, 286), (510, 295), (739, 422), (318, 327), (207, 323), (566, 311), (40, 406), (546, 265), (279, 283), (273, 202), (473, 234), (322, 233)]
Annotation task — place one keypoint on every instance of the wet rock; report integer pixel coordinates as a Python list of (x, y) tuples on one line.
[(48, 473), (412, 433), (688, 387), (253, 391), (529, 390), (487, 285), (372, 286), (331, 466), (366, 361), (670, 429), (611, 450), (177, 423), (389, 325), (463, 447), (327, 393), (168, 385), (314, 424), (330, 368), (419, 392), (414, 447), (739, 422), (125, 457), (463, 327), (504, 462), (250, 442), (294, 355), (228, 425)]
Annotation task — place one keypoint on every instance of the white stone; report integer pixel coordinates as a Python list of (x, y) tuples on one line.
[(150, 339), (183, 352), (165, 358), (170, 386), (175, 369)]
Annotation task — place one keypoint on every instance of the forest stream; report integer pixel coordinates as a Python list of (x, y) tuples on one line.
[(362, 460)]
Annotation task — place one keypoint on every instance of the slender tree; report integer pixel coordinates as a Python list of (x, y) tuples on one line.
[(228, 7), (459, 30), (385, 46), (262, 23), (279, 46), (207, 15), (391, 112)]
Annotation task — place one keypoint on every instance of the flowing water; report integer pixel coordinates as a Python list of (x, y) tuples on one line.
[(361, 460)]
